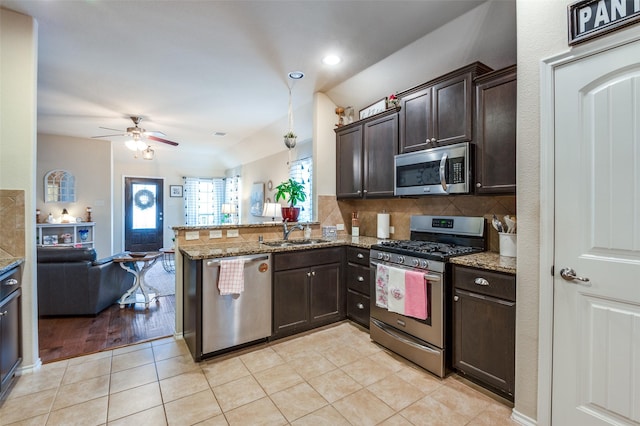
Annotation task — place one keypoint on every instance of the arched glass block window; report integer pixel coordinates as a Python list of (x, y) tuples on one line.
[(59, 187)]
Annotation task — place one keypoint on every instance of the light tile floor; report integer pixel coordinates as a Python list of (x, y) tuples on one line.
[(334, 376)]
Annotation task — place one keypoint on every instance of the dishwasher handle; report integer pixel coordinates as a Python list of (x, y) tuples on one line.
[(216, 262)]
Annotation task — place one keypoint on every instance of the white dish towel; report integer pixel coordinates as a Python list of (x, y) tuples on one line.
[(396, 288), (231, 279)]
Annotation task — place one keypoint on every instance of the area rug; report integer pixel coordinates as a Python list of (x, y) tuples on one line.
[(163, 281)]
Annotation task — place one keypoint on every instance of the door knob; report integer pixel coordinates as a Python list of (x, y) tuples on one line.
[(569, 274)]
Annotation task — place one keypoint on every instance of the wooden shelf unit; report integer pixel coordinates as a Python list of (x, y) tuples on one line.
[(50, 234)]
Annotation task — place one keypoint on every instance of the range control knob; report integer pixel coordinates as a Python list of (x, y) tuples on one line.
[(387, 256), (424, 264), (416, 262), (380, 256), (400, 259)]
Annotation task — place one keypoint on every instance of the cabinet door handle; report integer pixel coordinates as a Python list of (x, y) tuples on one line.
[(480, 281), (360, 306), (456, 298), (433, 140), (360, 279), (3, 313), (358, 192), (308, 274), (478, 185), (11, 281), (360, 256)]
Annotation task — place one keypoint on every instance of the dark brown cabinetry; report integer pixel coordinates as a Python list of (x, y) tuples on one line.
[(10, 340), (484, 312), (307, 290), (439, 112), (357, 283), (364, 155), (496, 132)]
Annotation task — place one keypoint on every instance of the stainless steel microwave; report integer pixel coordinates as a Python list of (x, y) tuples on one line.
[(442, 170)]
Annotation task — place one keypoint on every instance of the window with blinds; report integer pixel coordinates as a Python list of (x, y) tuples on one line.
[(301, 171), (204, 199)]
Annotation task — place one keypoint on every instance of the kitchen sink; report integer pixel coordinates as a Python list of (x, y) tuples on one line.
[(293, 243)]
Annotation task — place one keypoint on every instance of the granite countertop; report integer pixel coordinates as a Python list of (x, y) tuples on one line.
[(487, 260), (8, 263), (243, 248)]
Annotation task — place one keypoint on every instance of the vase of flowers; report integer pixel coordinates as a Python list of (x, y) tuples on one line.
[(393, 101)]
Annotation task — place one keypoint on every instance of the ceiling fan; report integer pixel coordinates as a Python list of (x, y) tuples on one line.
[(137, 135)]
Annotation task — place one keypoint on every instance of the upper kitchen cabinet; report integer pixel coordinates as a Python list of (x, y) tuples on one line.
[(364, 156), (439, 112), (496, 132)]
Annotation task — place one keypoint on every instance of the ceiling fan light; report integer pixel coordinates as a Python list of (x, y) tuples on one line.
[(141, 146), (148, 153), (131, 144)]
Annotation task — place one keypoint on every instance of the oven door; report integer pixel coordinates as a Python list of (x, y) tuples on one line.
[(420, 341), (443, 170), (429, 330)]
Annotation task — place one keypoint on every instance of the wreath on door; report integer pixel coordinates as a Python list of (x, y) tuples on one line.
[(144, 199)]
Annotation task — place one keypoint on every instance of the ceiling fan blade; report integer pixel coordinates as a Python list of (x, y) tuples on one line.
[(108, 136), (109, 128), (153, 138), (154, 133)]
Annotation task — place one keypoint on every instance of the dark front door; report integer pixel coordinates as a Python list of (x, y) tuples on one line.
[(143, 214)]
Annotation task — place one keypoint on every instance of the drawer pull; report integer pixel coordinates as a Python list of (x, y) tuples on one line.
[(3, 313), (360, 306), (360, 256), (481, 281), (360, 278), (11, 281)]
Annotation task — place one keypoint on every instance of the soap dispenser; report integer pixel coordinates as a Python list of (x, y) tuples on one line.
[(307, 232)]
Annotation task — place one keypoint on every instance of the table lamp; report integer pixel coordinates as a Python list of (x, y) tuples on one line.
[(272, 210)]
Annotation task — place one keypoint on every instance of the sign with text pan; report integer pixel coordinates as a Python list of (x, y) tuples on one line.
[(593, 18)]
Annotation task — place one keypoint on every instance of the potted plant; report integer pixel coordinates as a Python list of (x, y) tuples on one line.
[(292, 192), (290, 139)]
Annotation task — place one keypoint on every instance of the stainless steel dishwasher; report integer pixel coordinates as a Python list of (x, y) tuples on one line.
[(233, 320)]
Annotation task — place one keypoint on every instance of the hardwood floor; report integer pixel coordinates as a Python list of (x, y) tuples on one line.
[(66, 337)]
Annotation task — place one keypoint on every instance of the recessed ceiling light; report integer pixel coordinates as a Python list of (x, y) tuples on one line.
[(331, 60), (220, 134), (296, 75)]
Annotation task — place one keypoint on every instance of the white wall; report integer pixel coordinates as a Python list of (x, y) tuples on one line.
[(18, 79), (486, 34), (89, 161), (171, 164), (533, 46), (273, 168)]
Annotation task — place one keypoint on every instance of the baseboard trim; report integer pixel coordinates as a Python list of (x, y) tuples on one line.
[(522, 419), (27, 369)]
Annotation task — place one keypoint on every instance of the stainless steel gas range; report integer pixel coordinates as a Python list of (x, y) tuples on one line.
[(411, 288)]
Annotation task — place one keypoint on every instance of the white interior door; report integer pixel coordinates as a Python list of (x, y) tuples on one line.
[(596, 341)]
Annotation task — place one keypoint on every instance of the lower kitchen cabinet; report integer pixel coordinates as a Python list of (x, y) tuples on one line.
[(10, 343), (484, 312), (357, 283), (307, 290)]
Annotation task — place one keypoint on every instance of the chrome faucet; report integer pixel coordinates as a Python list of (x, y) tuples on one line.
[(287, 231)]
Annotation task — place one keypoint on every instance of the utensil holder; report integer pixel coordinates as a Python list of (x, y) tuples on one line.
[(508, 244)]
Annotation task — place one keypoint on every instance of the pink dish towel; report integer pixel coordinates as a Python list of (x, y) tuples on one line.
[(231, 279), (415, 302)]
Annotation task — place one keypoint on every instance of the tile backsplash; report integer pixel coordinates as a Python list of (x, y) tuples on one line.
[(332, 211), (12, 222)]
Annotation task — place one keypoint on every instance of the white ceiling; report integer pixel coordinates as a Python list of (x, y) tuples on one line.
[(192, 68)]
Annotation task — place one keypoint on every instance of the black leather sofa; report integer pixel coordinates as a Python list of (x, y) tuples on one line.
[(71, 281)]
